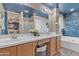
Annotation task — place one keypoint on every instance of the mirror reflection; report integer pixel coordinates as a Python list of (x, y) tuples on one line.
[(16, 18)]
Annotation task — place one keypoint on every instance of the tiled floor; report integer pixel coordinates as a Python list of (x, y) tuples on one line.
[(63, 52), (67, 52)]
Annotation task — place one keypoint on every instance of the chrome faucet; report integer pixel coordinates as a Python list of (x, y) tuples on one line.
[(14, 36)]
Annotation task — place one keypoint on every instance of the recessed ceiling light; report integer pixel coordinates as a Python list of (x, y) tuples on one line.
[(72, 9)]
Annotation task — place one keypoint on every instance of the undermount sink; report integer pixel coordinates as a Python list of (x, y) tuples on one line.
[(18, 39), (5, 39), (9, 40)]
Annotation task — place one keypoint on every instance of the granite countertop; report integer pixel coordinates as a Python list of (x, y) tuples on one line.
[(7, 42)]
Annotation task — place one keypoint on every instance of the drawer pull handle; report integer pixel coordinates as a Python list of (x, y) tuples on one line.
[(38, 46)]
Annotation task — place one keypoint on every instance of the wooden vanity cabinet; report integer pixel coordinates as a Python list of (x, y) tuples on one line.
[(8, 51), (27, 49)]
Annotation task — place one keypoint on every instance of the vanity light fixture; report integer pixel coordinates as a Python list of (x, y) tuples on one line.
[(46, 11)]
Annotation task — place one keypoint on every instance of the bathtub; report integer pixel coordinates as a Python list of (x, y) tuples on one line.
[(70, 43)]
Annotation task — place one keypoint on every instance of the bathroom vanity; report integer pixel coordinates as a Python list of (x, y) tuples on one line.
[(27, 45)]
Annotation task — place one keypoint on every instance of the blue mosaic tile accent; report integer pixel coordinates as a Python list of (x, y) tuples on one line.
[(71, 23)]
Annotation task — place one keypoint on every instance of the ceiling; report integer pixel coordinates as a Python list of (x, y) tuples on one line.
[(64, 7), (17, 7), (68, 7)]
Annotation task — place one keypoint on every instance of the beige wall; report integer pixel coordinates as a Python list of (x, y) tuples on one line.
[(2, 19)]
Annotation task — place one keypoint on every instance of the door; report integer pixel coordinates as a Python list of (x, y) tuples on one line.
[(27, 49), (9, 51), (52, 47), (58, 43)]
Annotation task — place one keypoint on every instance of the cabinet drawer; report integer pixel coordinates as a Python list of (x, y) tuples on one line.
[(42, 41)]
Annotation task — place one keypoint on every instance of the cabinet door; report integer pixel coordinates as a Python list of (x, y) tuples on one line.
[(51, 48), (58, 43), (9, 51), (26, 49)]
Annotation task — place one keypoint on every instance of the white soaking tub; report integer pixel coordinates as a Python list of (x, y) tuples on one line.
[(70, 43)]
